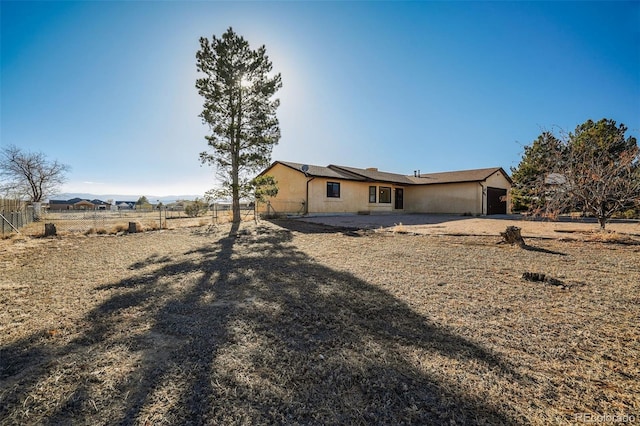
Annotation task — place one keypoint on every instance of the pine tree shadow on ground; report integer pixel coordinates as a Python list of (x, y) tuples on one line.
[(269, 336)]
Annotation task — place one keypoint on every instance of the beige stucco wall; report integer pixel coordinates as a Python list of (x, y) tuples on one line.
[(445, 198), (465, 197), (354, 197), (291, 191), (497, 180)]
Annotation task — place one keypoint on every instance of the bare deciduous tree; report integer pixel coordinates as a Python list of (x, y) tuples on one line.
[(600, 185), (595, 169), (30, 174)]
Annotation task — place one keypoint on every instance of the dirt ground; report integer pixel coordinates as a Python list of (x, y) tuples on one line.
[(434, 224), (293, 322)]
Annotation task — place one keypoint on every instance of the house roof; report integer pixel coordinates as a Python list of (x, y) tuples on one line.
[(375, 175), (372, 174), (78, 200), (475, 175), (318, 171)]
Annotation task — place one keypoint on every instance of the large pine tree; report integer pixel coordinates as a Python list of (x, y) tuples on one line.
[(533, 167), (238, 88)]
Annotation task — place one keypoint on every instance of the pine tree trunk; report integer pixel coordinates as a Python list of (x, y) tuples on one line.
[(235, 160), (235, 189), (236, 206)]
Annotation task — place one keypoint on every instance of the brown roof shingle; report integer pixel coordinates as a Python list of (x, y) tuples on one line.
[(475, 175), (375, 175), (319, 171)]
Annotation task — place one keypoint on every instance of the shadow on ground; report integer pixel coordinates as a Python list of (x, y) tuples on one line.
[(268, 336)]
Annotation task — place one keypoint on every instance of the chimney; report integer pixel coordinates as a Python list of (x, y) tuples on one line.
[(372, 169), (415, 173)]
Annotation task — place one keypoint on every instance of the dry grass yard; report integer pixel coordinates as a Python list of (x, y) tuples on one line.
[(287, 322)]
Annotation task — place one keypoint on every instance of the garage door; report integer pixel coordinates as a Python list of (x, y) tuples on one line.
[(496, 201)]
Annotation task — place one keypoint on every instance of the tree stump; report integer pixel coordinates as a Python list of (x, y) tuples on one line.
[(50, 230), (512, 236), (132, 228), (539, 277)]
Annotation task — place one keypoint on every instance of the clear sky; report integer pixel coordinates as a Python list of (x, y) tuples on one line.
[(108, 87)]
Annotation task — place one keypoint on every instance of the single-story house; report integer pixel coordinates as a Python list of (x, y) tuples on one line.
[(308, 189), (100, 205), (125, 205), (77, 204)]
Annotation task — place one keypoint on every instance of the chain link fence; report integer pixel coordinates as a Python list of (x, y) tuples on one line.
[(112, 222), (101, 221), (12, 221), (281, 208), (16, 215)]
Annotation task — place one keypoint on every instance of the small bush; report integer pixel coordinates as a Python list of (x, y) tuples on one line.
[(120, 227), (607, 236), (148, 226), (399, 228), (93, 231), (195, 209), (15, 237)]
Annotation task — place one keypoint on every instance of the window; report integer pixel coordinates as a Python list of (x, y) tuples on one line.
[(385, 194), (333, 189), (372, 194)]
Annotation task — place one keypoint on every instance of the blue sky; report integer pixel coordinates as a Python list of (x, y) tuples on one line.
[(108, 87)]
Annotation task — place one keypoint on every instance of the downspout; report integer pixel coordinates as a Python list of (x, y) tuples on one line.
[(306, 201)]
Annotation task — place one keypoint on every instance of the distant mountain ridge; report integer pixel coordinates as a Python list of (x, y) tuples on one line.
[(119, 197)]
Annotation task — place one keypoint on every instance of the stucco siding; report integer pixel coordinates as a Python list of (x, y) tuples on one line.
[(446, 198), (497, 180), (292, 191), (354, 197)]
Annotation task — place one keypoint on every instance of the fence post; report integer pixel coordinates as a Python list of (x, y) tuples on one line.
[(255, 211)]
